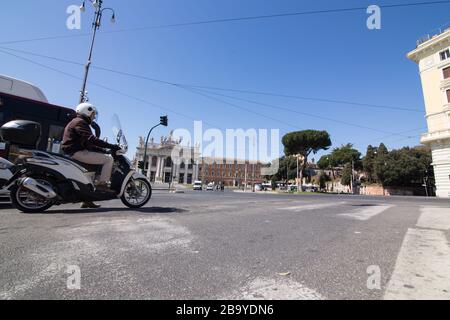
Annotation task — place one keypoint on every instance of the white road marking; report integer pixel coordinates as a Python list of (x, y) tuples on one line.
[(435, 218), (307, 207), (422, 270), (275, 289), (365, 213)]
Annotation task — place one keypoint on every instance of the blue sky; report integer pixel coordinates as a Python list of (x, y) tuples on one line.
[(328, 56)]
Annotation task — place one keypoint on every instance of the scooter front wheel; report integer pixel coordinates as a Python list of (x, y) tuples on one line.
[(137, 194)]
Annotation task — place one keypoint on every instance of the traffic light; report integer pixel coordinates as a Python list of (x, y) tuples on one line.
[(141, 165), (164, 121)]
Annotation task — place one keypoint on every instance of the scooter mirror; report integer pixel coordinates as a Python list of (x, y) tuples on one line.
[(96, 127)]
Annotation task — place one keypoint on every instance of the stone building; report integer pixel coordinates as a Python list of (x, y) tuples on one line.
[(230, 172), (433, 57), (168, 161)]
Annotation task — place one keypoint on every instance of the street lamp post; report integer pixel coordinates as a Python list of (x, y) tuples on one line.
[(298, 175), (95, 26), (353, 177), (425, 180), (164, 121)]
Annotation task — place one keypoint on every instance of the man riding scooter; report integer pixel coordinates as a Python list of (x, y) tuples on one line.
[(80, 144)]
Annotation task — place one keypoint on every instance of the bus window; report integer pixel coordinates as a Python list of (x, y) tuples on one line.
[(55, 136)]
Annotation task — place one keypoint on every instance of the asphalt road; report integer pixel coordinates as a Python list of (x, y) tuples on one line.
[(213, 245)]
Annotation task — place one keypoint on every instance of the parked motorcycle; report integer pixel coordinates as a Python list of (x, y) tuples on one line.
[(40, 180)]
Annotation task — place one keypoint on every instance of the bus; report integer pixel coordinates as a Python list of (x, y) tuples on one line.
[(20, 100)]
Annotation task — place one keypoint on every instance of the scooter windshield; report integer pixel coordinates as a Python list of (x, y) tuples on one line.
[(118, 133)]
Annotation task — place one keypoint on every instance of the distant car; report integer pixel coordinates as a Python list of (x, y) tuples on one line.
[(210, 187), (198, 186)]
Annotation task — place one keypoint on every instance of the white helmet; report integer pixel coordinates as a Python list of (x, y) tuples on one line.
[(88, 110)]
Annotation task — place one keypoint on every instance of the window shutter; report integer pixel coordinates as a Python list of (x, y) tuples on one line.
[(446, 73)]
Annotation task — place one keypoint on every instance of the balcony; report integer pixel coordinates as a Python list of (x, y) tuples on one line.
[(445, 84), (435, 136)]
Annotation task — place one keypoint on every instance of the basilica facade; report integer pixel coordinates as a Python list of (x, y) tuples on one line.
[(167, 161)]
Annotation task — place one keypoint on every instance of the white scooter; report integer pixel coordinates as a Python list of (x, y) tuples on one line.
[(41, 180)]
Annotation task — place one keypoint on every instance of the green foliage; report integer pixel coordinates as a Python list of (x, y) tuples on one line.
[(305, 142), (382, 150), (345, 155), (346, 179), (369, 163), (324, 162), (404, 168), (340, 157), (323, 179), (287, 169)]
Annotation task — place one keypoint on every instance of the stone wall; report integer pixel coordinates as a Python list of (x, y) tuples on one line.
[(377, 190)]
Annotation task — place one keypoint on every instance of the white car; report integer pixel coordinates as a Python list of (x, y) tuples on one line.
[(210, 187), (198, 186)]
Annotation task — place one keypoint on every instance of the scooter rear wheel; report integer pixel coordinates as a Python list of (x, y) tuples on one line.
[(27, 201), (137, 194)]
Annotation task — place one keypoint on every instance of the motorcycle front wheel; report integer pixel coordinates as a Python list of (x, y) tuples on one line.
[(137, 194)]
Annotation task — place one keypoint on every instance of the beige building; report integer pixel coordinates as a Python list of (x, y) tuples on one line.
[(433, 57)]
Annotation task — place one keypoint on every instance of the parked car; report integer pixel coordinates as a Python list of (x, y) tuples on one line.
[(210, 187), (198, 186)]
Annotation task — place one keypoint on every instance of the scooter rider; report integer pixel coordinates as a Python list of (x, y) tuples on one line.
[(80, 144)]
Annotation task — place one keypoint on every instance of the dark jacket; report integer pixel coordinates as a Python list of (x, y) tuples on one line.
[(78, 137)]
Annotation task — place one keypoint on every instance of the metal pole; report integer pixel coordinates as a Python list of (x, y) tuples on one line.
[(298, 175), (425, 180), (245, 187), (96, 25), (253, 178), (353, 177)]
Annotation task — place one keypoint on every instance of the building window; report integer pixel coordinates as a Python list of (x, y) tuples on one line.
[(168, 162), (445, 54), (448, 96), (154, 161), (446, 72), (181, 179)]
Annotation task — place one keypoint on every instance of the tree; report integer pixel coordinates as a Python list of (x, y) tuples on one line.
[(369, 163), (304, 143), (407, 167), (323, 179), (325, 162), (344, 155), (287, 169), (382, 150), (347, 175)]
